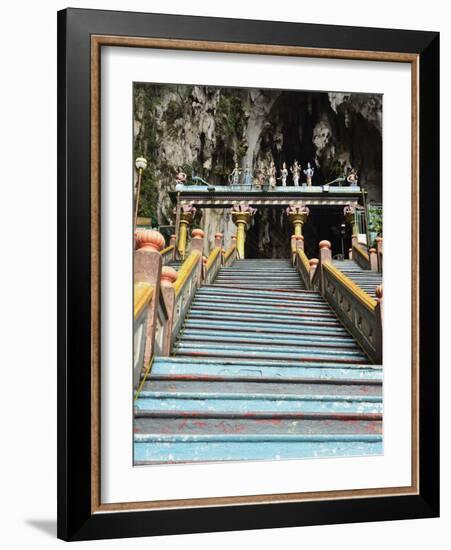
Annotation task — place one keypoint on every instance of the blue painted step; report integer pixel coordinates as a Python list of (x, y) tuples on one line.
[(155, 448)]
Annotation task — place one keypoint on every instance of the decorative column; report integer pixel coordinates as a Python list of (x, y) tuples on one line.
[(241, 216), (197, 243), (167, 280), (350, 218), (325, 257), (313, 262), (172, 242), (373, 259), (218, 240), (147, 269), (379, 248), (297, 216), (187, 213)]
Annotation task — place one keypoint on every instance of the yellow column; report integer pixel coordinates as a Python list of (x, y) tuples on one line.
[(297, 215), (241, 216), (186, 217)]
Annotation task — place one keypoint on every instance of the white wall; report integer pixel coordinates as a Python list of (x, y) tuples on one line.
[(28, 275)]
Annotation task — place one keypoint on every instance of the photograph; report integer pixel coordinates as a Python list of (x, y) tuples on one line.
[(257, 274)]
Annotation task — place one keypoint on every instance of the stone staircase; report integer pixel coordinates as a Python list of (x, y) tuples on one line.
[(365, 279), (262, 369)]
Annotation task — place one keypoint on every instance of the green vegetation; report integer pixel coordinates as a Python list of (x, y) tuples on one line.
[(146, 144)]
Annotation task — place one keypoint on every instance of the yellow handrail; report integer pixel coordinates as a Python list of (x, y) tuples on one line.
[(303, 257), (364, 298), (212, 257), (361, 252), (167, 249), (142, 294), (186, 269), (229, 252)]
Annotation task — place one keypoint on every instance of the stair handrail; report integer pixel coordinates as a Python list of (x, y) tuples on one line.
[(213, 265), (360, 256), (359, 312), (142, 296), (231, 253), (189, 278)]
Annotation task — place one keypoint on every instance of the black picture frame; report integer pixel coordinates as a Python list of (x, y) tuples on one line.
[(76, 518)]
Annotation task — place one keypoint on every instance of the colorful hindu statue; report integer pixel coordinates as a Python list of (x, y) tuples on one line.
[(296, 171), (234, 176), (309, 171), (283, 174), (272, 175)]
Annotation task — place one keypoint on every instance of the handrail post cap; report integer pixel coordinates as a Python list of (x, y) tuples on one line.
[(313, 262), (325, 244), (168, 275), (149, 239), (197, 234)]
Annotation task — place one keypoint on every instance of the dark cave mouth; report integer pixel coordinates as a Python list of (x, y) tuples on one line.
[(270, 233)]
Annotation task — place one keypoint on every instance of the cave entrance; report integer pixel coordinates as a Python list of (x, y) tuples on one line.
[(326, 223), (268, 237)]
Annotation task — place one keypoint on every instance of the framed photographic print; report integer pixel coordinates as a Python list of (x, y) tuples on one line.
[(248, 274)]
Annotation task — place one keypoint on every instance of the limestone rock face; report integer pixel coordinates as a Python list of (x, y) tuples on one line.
[(205, 130)]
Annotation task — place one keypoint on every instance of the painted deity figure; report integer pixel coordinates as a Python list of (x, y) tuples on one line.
[(247, 176), (272, 175), (234, 176), (284, 174), (180, 179), (353, 178), (259, 181), (296, 171), (309, 171)]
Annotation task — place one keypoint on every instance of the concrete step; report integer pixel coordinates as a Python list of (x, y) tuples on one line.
[(265, 351), (249, 337), (266, 328), (177, 448), (266, 369)]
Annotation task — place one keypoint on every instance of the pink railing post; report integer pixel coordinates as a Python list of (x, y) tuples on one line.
[(325, 257), (218, 239), (147, 269), (350, 254), (167, 280), (197, 243), (379, 248), (313, 262), (172, 241), (373, 259)]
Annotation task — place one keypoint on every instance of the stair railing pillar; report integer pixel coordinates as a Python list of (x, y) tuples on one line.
[(298, 245), (187, 214), (297, 215), (218, 239), (241, 217), (373, 259), (147, 269), (313, 262), (172, 242), (197, 243), (379, 248), (325, 257), (379, 323), (167, 280), (350, 254)]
